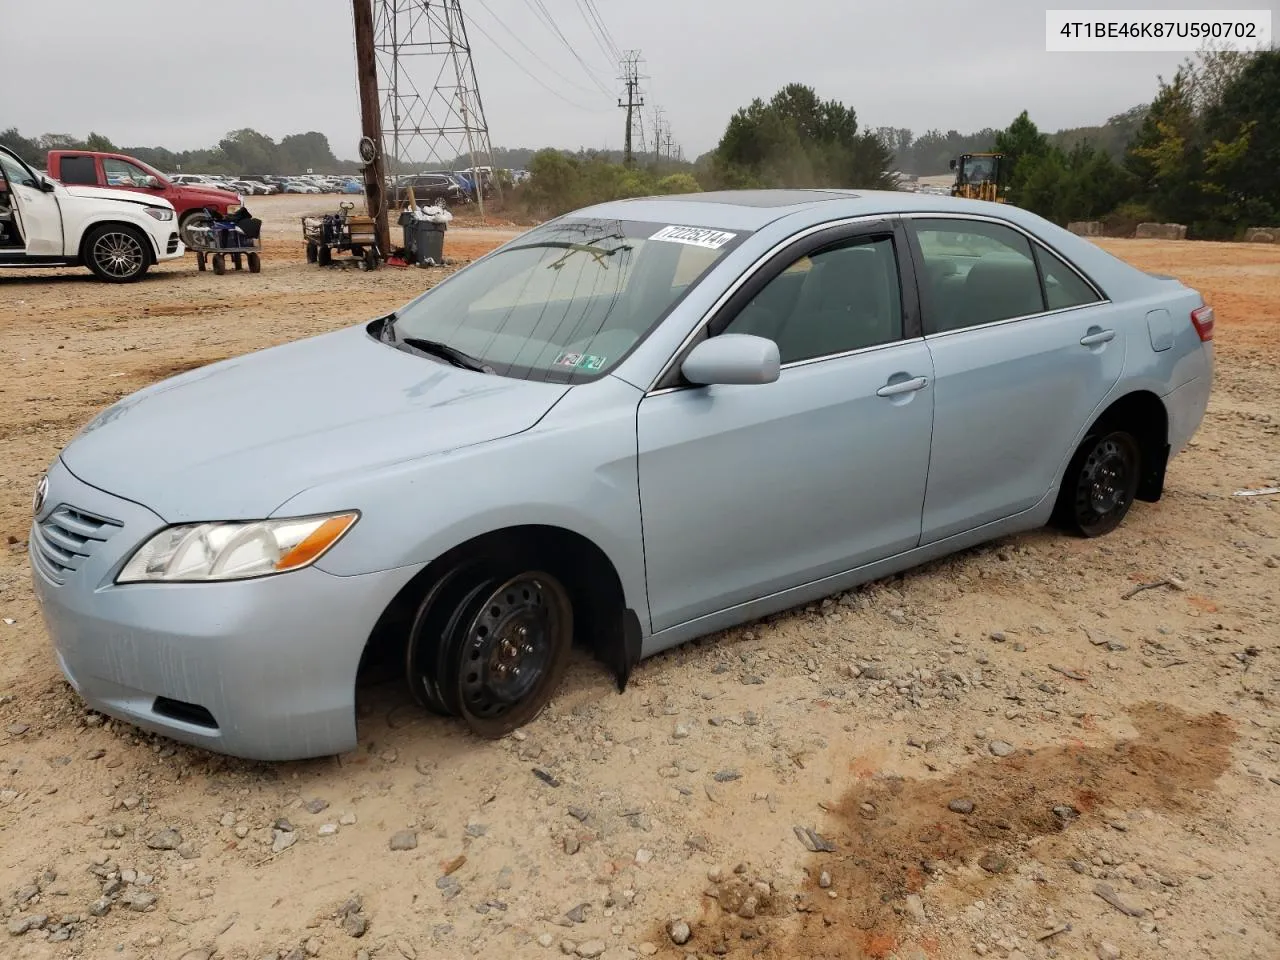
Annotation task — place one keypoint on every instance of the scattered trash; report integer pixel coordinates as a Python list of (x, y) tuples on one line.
[(545, 777), (1068, 673), (10, 621), (1173, 582), (1259, 492)]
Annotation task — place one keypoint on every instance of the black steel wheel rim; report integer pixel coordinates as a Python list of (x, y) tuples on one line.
[(1104, 479), (509, 645)]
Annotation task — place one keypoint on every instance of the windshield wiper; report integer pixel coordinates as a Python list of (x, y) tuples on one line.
[(445, 352)]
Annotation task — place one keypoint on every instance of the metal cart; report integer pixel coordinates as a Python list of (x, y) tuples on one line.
[(342, 231), (217, 240)]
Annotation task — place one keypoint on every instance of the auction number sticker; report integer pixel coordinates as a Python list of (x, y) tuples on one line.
[(695, 236)]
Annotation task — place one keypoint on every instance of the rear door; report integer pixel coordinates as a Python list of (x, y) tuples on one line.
[(35, 211), (1025, 349)]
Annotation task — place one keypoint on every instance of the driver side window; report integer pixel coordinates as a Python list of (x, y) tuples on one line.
[(835, 300)]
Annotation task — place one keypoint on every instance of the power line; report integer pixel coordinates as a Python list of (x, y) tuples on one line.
[(533, 76), (595, 32), (549, 21), (533, 53), (604, 30)]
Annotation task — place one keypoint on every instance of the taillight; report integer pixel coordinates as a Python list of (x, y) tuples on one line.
[(1202, 319)]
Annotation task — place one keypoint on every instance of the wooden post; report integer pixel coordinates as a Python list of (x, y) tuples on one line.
[(375, 186)]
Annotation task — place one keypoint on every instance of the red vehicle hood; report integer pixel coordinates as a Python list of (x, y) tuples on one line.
[(206, 196)]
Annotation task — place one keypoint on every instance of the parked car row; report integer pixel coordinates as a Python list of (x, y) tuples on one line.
[(267, 184)]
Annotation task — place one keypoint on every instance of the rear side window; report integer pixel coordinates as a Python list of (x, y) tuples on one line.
[(79, 170), (1063, 287), (975, 272)]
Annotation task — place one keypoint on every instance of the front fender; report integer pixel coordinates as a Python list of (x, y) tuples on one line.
[(576, 470)]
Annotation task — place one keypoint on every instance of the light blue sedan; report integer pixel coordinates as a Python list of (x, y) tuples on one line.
[(636, 424)]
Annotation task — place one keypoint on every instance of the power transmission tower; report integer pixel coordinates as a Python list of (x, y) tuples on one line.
[(431, 109), (631, 79), (659, 121)]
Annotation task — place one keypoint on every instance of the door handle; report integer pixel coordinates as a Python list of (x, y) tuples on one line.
[(903, 386), (1098, 336)]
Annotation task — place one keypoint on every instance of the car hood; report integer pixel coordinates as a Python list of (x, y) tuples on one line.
[(234, 440), (208, 196), (118, 196)]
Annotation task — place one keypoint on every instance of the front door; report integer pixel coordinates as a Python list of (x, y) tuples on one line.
[(746, 491), (35, 212), (1024, 350)]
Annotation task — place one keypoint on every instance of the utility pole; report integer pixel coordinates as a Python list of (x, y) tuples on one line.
[(375, 183), (631, 80), (659, 120)]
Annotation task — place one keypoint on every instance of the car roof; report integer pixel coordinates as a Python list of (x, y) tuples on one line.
[(754, 209)]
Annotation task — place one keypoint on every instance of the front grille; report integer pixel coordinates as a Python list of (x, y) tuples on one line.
[(173, 244), (66, 538)]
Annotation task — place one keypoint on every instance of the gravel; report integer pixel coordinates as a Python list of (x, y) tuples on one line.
[(404, 840)]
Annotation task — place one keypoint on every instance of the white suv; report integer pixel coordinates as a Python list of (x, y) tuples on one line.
[(115, 234)]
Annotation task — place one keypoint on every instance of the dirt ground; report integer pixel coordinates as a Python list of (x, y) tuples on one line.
[(1007, 753)]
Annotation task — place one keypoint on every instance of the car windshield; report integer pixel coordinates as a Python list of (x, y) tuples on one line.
[(568, 300)]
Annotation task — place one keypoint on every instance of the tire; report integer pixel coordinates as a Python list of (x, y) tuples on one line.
[(313, 251), (219, 264), (324, 256), (117, 253), (1100, 483), (490, 643), (255, 263), (371, 259), (194, 218)]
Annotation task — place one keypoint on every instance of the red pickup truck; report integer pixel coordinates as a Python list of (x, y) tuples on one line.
[(118, 172)]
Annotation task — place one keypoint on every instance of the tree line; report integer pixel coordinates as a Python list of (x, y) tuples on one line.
[(1205, 152)]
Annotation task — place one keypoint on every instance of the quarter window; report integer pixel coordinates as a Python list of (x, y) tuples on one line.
[(1063, 287), (841, 298), (975, 272)]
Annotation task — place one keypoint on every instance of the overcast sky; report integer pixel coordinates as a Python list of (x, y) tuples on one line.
[(180, 74)]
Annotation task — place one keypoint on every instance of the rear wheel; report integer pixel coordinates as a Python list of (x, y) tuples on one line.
[(490, 643), (117, 253), (1100, 483)]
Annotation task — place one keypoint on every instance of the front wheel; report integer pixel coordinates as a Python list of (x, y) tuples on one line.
[(490, 643), (1100, 483), (197, 218), (117, 254)]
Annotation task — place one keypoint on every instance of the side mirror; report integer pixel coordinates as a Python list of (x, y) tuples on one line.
[(953, 163), (46, 185), (153, 183), (732, 358)]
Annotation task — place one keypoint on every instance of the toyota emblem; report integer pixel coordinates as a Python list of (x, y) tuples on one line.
[(42, 491)]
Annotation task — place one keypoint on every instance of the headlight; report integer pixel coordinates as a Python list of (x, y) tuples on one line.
[(159, 213), (234, 551)]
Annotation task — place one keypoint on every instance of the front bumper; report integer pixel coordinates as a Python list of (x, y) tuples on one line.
[(268, 664), (167, 244)]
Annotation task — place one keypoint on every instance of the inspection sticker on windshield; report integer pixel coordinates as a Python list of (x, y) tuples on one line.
[(580, 361), (696, 236)]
